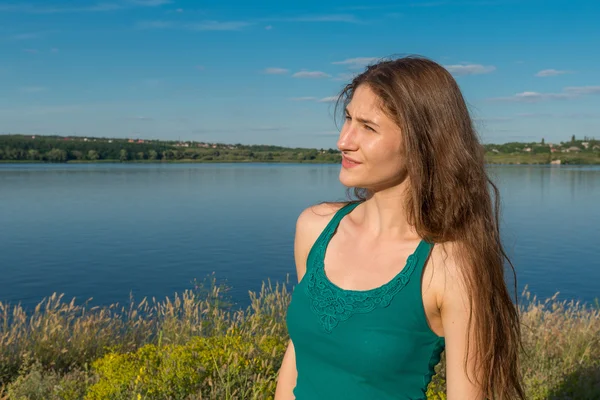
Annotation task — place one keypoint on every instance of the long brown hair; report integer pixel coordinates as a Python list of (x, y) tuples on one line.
[(450, 201)]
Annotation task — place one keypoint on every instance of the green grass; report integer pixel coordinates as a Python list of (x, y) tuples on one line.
[(196, 346)]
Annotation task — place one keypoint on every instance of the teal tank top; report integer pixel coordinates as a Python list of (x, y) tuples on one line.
[(371, 344)]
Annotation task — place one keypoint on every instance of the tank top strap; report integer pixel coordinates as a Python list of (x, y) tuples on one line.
[(420, 257), (422, 254), (327, 233)]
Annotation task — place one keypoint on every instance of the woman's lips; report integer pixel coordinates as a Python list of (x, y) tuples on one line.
[(347, 162)]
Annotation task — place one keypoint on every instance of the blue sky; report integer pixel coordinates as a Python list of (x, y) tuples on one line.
[(263, 72)]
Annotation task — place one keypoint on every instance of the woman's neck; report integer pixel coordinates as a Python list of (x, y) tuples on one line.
[(384, 216)]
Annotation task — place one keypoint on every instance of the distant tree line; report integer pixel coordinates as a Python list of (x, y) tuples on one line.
[(584, 145), (76, 149), (59, 149)]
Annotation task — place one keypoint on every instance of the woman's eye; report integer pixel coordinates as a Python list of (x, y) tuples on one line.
[(369, 128), (348, 117)]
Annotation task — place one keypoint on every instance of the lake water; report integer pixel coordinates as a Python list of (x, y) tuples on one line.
[(108, 230)]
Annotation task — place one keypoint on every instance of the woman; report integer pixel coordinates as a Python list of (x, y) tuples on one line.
[(411, 268)]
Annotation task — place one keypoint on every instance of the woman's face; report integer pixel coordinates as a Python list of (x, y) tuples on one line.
[(371, 145)]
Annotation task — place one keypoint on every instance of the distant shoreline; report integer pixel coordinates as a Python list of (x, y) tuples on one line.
[(488, 162)]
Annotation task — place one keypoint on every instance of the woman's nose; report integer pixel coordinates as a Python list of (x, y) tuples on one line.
[(347, 139)]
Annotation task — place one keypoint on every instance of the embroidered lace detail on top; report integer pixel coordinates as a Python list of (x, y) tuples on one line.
[(333, 304)]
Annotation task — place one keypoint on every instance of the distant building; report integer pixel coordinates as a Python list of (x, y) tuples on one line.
[(573, 149), (527, 149), (585, 144)]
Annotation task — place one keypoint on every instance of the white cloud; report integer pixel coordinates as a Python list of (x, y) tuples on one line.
[(209, 25), (218, 26), (358, 62), (581, 90), (535, 97), (330, 99), (197, 26), (276, 71), (36, 9), (347, 18), (469, 69), (30, 8), (311, 74), (150, 3), (551, 72)]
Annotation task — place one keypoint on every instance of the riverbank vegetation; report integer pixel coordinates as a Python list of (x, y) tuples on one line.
[(196, 345), (61, 149)]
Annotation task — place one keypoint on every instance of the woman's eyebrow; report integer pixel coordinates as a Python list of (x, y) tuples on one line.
[(364, 121)]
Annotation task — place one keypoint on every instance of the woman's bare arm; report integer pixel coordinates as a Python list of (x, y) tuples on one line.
[(455, 312), (286, 380)]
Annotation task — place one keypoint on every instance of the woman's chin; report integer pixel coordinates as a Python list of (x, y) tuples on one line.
[(349, 181)]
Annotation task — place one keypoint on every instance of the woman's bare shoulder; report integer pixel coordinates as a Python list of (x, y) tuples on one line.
[(448, 279), (316, 217), (320, 212), (311, 222)]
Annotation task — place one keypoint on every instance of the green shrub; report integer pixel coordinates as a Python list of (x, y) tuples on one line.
[(436, 390), (231, 362)]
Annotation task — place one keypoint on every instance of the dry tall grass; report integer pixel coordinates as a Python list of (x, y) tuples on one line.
[(54, 352)]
